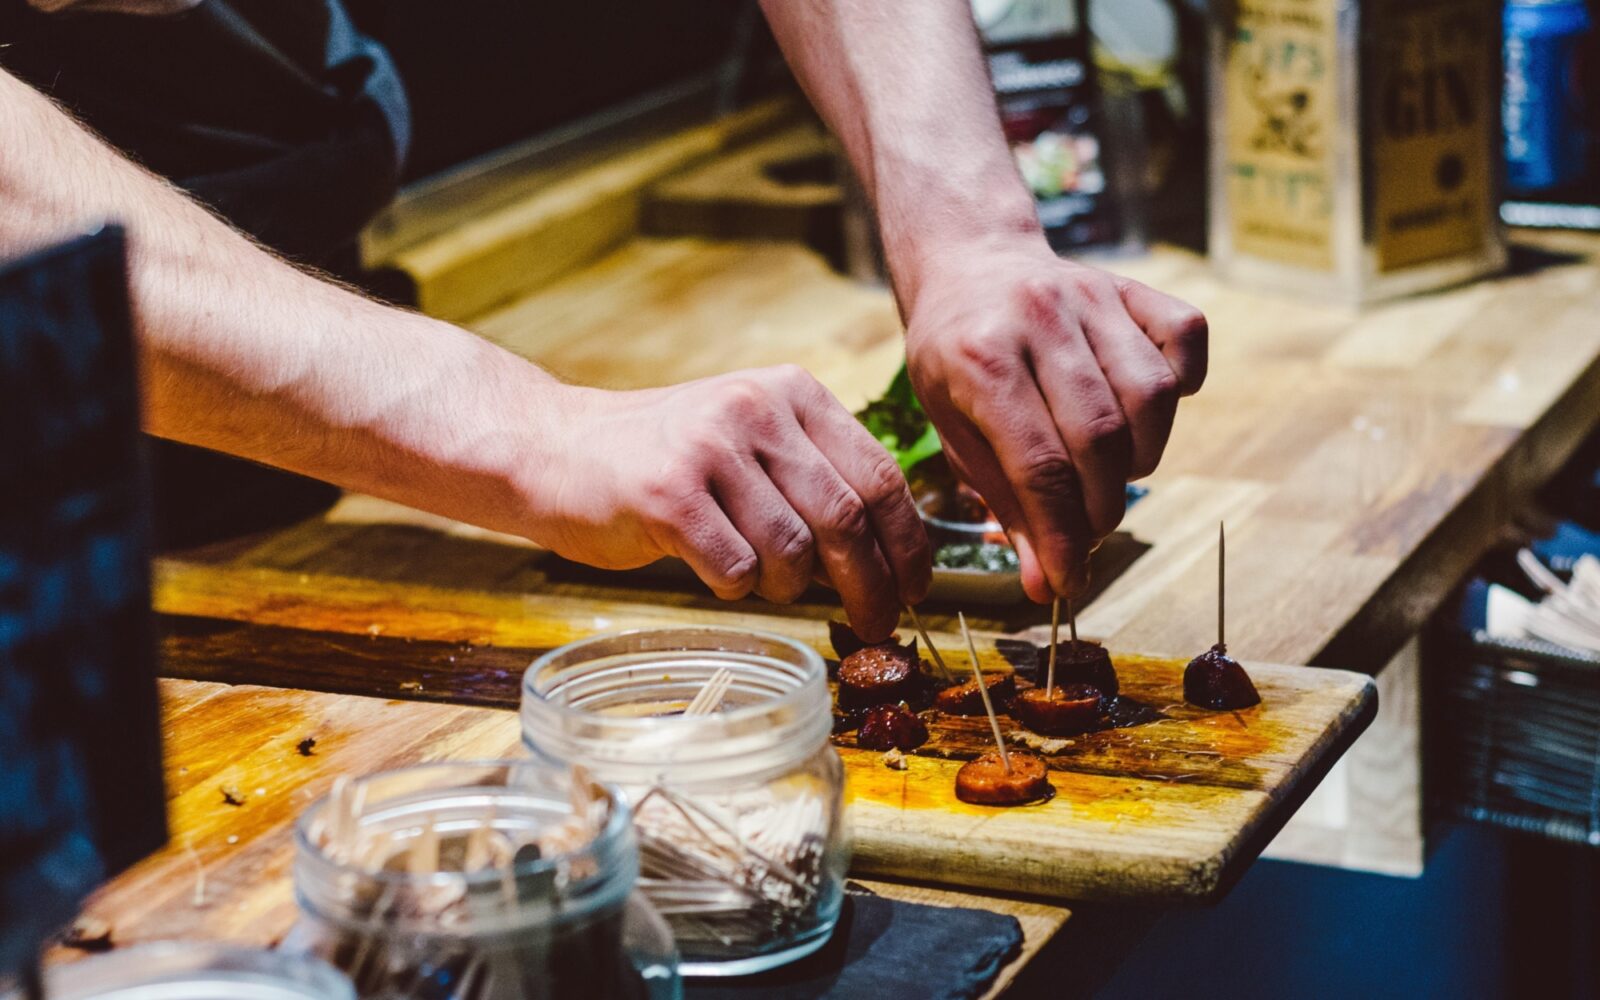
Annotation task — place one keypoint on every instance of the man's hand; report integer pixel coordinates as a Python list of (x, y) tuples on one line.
[(759, 480), (1052, 385)]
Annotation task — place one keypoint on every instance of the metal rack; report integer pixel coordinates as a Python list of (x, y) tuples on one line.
[(1519, 735)]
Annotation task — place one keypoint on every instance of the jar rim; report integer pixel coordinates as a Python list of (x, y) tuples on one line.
[(813, 664), (612, 848), (786, 720)]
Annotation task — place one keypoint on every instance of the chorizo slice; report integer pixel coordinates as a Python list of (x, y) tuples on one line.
[(1216, 680), (966, 699), (985, 781), (879, 675), (1067, 710), (891, 727), (1081, 662)]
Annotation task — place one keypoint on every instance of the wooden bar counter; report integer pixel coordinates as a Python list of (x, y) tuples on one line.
[(1362, 462)]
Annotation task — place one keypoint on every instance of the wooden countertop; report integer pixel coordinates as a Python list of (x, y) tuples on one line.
[(225, 874), (1362, 461)]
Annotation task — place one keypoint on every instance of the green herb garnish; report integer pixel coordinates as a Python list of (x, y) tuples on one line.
[(900, 424)]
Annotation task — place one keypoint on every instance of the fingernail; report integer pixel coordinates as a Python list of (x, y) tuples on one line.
[(874, 633), (1020, 542), (917, 591)]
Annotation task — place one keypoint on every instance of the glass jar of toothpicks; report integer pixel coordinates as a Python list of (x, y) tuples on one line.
[(508, 880), (719, 740)]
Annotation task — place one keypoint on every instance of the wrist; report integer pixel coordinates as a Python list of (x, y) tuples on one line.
[(957, 231), (530, 420), (938, 259)]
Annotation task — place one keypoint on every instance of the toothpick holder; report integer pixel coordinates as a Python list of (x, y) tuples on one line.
[(739, 811), (479, 881)]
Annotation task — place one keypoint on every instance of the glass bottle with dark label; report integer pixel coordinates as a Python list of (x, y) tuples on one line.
[(1044, 80)]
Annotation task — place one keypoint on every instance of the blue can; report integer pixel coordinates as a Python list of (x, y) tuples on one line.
[(1546, 142)]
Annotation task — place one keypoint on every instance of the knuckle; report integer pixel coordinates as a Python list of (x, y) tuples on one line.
[(794, 378), (1186, 323), (734, 571), (883, 482), (742, 399), (745, 407), (1161, 389), (792, 543), (1106, 432), (987, 355), (1048, 472), (845, 516), (1095, 287), (1039, 298), (674, 494)]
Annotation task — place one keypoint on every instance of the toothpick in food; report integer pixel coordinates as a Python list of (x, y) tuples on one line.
[(926, 641), (1055, 637), (983, 689)]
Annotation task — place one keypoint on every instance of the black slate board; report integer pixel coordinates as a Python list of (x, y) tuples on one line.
[(887, 950)]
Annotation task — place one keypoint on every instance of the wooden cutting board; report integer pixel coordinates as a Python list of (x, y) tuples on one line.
[(225, 875), (1175, 808)]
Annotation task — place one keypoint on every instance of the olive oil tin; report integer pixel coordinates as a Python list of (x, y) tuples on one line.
[(1354, 145)]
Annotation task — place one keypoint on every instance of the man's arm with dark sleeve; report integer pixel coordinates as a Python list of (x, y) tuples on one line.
[(753, 478)]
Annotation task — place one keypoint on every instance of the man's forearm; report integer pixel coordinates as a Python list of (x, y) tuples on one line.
[(1051, 383), (241, 352), (905, 88)]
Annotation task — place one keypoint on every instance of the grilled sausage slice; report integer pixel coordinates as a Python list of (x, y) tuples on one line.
[(966, 699), (1216, 680), (1066, 711), (891, 727), (879, 675), (1081, 662), (985, 781)]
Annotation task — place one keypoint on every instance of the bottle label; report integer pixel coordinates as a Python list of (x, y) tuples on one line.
[(1432, 71), (1281, 105)]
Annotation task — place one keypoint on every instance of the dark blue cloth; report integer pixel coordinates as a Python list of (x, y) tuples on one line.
[(884, 949), (80, 753), (1562, 549), (279, 115)]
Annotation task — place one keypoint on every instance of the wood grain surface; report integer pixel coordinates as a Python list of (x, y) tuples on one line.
[(1362, 460), (785, 187), (1174, 808), (226, 874), (562, 224)]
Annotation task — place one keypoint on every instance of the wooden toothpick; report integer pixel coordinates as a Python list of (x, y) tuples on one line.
[(1222, 558), (937, 659), (983, 691), (1055, 640)]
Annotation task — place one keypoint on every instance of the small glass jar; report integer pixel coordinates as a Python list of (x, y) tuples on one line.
[(739, 810), (178, 970), (501, 880)]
